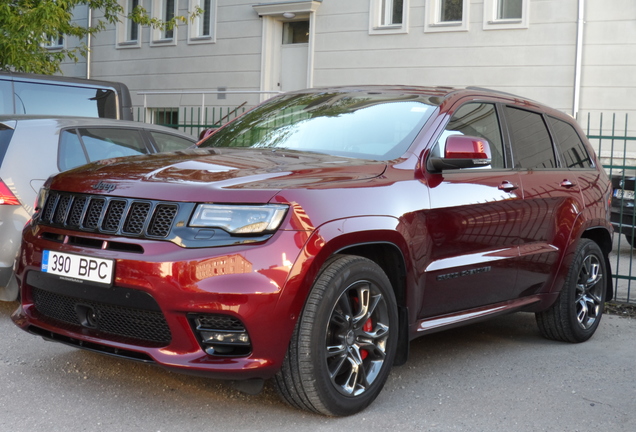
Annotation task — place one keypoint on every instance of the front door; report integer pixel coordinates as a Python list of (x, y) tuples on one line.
[(473, 223)]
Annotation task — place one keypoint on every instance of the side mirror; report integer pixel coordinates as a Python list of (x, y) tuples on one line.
[(206, 133), (461, 151)]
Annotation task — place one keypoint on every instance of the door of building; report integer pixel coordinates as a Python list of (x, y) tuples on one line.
[(294, 55)]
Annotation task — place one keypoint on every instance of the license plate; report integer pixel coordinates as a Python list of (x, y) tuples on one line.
[(624, 194), (78, 267)]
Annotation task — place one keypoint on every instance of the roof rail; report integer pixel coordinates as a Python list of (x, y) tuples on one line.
[(499, 92)]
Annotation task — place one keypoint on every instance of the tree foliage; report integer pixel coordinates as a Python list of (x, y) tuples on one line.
[(27, 26)]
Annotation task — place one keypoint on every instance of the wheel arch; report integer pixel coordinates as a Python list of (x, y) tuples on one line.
[(602, 237), (376, 238)]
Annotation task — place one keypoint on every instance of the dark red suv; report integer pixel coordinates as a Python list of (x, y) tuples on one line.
[(312, 238)]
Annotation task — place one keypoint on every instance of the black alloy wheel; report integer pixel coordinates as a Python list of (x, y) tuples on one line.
[(344, 344), (576, 314)]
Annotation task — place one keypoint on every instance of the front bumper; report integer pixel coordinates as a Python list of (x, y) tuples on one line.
[(148, 312)]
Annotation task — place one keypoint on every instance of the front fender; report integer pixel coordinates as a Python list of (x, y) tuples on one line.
[(327, 240)]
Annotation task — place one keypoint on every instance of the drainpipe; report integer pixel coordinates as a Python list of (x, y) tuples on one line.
[(88, 44), (578, 59)]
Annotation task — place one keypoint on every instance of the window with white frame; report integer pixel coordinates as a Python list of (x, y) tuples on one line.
[(203, 28), (54, 42), (447, 15), (128, 32), (506, 14), (164, 10), (388, 16)]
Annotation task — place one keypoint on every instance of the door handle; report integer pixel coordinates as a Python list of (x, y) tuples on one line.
[(507, 186), (567, 184)]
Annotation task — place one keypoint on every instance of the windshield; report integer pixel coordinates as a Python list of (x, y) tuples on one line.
[(368, 125)]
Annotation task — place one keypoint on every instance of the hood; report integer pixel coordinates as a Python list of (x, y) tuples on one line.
[(228, 175)]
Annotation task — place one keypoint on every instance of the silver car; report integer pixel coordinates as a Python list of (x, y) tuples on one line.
[(33, 148)]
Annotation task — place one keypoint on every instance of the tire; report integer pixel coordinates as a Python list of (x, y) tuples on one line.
[(577, 312), (630, 239), (345, 341)]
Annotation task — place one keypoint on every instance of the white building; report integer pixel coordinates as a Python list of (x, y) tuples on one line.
[(576, 55)]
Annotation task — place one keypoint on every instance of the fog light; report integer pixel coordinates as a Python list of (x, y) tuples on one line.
[(225, 337), (221, 335)]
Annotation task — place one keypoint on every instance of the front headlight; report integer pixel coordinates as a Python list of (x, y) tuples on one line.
[(239, 219)]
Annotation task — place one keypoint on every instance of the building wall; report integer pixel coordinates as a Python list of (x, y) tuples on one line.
[(537, 62), (609, 65)]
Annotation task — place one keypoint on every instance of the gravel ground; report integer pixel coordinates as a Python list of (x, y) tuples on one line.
[(498, 375)]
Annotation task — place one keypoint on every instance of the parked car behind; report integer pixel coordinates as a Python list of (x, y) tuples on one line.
[(52, 95), (312, 238), (623, 217), (33, 148)]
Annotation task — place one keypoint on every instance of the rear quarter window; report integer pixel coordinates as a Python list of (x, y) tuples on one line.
[(571, 149), (167, 142)]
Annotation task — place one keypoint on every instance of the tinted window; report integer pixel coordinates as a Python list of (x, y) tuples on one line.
[(47, 99), (166, 142), (531, 143), (478, 120), (571, 149)]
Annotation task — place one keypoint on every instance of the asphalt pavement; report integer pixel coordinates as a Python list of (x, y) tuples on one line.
[(498, 375)]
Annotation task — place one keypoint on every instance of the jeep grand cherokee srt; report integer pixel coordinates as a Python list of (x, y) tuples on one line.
[(312, 238)]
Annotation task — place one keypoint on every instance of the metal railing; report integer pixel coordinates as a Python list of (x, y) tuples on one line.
[(617, 151), (190, 120), (194, 119)]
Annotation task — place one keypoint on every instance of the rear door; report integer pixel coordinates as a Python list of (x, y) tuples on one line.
[(552, 199)]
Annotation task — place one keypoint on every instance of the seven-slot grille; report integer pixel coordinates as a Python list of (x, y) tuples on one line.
[(109, 215)]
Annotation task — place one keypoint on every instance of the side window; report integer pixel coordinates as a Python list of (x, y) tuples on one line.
[(108, 143), (571, 149), (478, 120), (167, 142), (71, 153), (531, 143)]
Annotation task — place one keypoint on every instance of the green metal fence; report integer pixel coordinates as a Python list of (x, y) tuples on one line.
[(190, 120), (609, 135)]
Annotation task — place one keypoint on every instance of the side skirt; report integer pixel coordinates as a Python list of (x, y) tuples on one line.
[(456, 319)]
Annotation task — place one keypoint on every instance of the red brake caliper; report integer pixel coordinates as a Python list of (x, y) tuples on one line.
[(367, 327)]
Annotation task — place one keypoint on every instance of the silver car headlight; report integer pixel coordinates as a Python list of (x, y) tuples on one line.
[(239, 219)]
